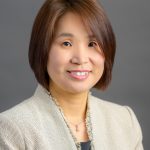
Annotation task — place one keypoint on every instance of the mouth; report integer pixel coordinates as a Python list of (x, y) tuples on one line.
[(79, 74)]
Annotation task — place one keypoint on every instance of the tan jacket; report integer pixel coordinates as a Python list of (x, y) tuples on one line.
[(36, 124)]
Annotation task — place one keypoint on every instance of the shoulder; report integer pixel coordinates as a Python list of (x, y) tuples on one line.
[(21, 117), (119, 118), (28, 115), (113, 110), (108, 107), (13, 123), (22, 110)]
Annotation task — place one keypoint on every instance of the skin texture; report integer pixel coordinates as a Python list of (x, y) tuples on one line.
[(74, 49)]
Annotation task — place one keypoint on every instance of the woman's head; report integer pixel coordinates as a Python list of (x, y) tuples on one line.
[(44, 31)]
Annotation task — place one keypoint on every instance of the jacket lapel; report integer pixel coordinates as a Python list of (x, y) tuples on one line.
[(62, 134), (98, 124)]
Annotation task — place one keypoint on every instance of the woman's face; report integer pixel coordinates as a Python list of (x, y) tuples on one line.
[(75, 61)]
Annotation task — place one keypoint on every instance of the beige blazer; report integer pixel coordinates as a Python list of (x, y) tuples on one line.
[(36, 124)]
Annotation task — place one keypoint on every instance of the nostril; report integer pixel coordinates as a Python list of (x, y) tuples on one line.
[(74, 60), (79, 60)]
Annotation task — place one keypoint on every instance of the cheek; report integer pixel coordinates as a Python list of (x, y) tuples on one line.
[(98, 60), (99, 69), (99, 66), (52, 63), (57, 60)]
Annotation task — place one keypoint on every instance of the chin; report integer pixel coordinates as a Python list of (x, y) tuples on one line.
[(77, 90)]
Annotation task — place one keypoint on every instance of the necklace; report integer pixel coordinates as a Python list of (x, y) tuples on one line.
[(76, 125), (87, 122)]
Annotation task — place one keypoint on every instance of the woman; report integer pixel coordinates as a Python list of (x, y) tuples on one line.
[(72, 50)]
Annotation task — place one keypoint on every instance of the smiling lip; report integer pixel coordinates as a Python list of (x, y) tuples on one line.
[(79, 74)]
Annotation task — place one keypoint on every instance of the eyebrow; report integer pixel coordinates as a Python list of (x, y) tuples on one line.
[(65, 35), (71, 35)]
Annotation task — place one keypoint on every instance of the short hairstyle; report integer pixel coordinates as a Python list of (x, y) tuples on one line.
[(44, 29)]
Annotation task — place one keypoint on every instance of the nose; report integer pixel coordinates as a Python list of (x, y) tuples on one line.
[(80, 56)]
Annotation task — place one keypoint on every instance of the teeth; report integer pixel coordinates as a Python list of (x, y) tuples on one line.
[(80, 73)]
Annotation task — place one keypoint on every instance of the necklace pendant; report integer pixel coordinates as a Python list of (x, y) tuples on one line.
[(77, 129)]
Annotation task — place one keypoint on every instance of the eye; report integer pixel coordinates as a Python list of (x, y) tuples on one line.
[(67, 44), (93, 44)]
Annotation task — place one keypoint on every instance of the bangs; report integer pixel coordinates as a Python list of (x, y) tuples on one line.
[(96, 22)]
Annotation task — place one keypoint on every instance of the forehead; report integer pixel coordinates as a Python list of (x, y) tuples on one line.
[(71, 24)]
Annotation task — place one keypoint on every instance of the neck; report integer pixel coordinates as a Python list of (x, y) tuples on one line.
[(73, 104)]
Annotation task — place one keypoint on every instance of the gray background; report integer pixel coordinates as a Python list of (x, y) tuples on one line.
[(130, 85)]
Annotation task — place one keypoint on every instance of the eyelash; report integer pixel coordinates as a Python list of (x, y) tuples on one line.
[(93, 42), (68, 44)]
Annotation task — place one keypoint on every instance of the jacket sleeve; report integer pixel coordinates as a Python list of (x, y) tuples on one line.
[(10, 135), (137, 130)]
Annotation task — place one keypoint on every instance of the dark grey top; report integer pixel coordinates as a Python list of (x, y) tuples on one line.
[(85, 145)]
